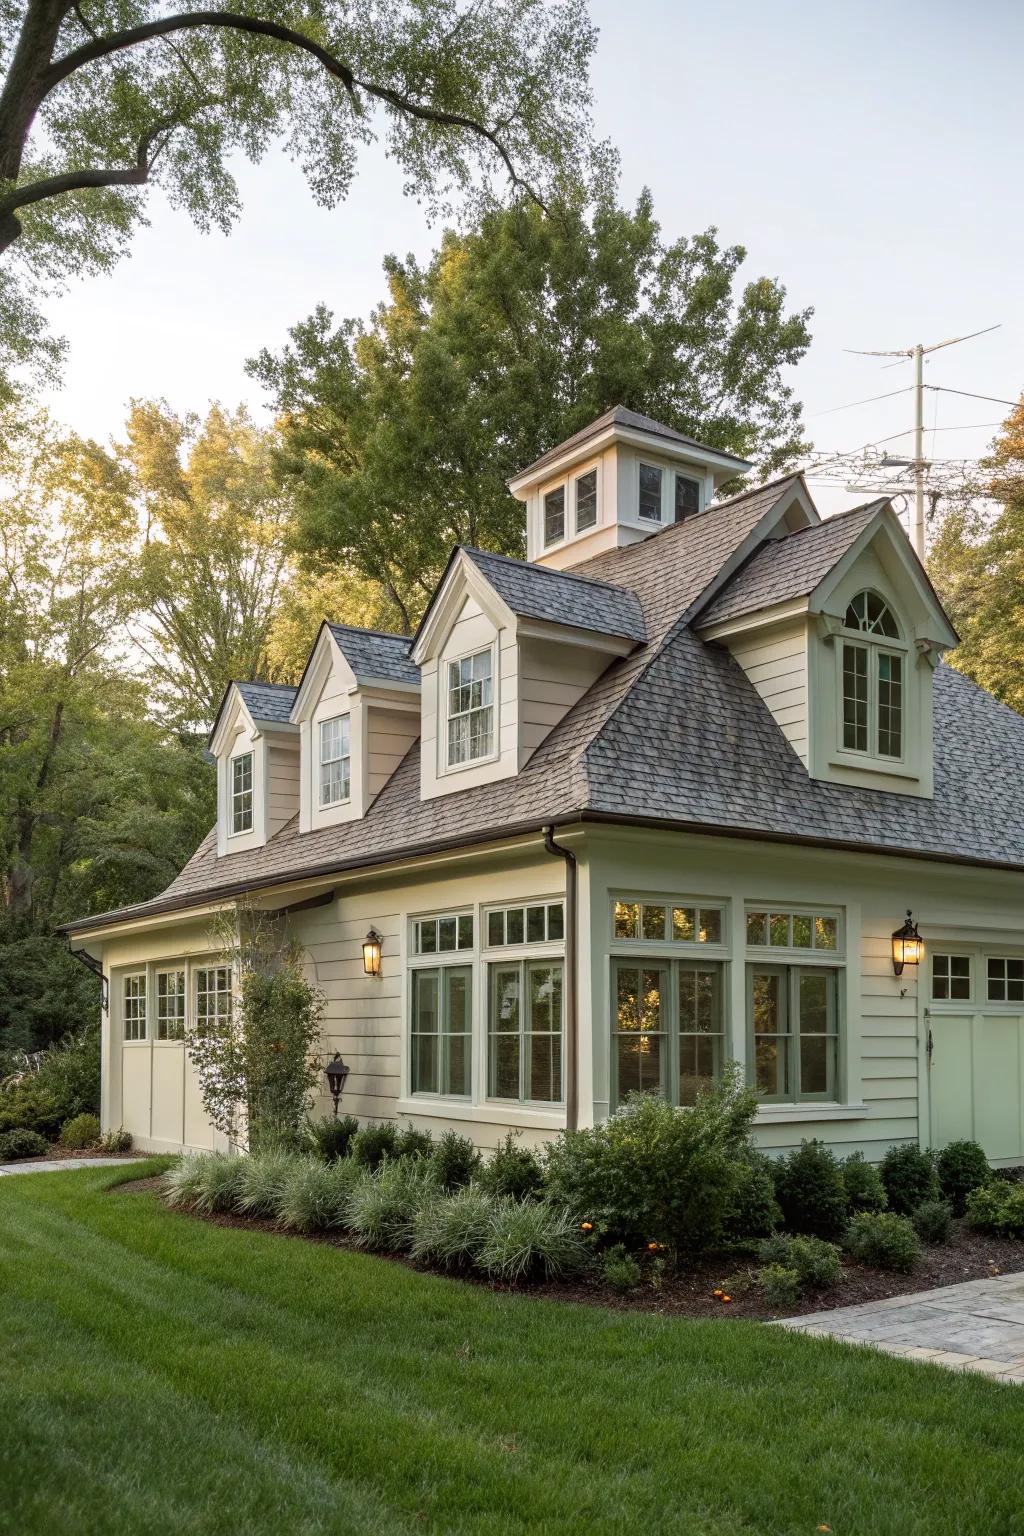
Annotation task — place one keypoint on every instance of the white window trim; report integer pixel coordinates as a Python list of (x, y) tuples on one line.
[(983, 1002), (233, 831), (319, 802), (669, 470), (135, 975), (549, 490), (953, 1004), (679, 948), (650, 463), (592, 468), (871, 758), (445, 768), (174, 968)]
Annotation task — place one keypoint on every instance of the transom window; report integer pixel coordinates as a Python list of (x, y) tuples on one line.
[(873, 681), (792, 1019), (951, 977), (870, 613), (649, 507), (524, 1048), (687, 497), (442, 935), (170, 1005), (135, 1007), (554, 516), (543, 923), (792, 930), (241, 792), (442, 1030), (586, 501), (668, 1028), (1005, 979), (661, 924), (470, 708), (335, 761), (213, 996)]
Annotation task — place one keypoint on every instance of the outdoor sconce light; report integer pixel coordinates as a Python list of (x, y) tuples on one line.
[(371, 953), (336, 1073), (907, 946)]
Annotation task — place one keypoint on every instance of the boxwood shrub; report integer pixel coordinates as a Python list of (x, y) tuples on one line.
[(810, 1189), (962, 1167), (909, 1178), (21, 1142), (864, 1188), (884, 1239), (80, 1132)]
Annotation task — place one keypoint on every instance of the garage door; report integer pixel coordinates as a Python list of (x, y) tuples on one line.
[(976, 1080)]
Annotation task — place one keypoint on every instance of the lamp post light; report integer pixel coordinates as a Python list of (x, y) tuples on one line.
[(372, 946), (907, 945), (336, 1073)]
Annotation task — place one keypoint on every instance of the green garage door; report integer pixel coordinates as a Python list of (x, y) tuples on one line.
[(976, 1080)]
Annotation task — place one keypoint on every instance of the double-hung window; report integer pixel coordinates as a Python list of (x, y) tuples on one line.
[(649, 506), (335, 761), (470, 708), (873, 680), (441, 1025), (170, 1005), (586, 501), (241, 792), (793, 1005), (134, 1001), (668, 1028), (213, 997), (554, 516), (524, 1047)]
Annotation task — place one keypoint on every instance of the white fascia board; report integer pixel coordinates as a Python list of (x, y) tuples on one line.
[(316, 672), (792, 491), (761, 618), (568, 634), (228, 722), (520, 485), (886, 525), (463, 580)]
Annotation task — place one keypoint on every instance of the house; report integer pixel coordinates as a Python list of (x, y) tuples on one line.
[(655, 798)]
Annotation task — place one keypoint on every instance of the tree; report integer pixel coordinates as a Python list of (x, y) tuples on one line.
[(977, 564), (102, 98), (400, 434)]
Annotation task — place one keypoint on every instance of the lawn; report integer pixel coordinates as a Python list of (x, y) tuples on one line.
[(164, 1374)]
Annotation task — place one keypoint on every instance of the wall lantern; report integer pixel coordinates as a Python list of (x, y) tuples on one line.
[(336, 1073), (371, 953), (907, 946)]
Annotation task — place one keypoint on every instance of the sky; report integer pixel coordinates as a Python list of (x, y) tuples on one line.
[(868, 156)]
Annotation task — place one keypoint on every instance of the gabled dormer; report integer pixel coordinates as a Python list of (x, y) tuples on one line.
[(617, 481), (839, 629), (505, 650), (257, 751), (357, 712)]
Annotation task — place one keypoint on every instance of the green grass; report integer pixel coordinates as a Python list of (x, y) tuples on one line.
[(162, 1374)]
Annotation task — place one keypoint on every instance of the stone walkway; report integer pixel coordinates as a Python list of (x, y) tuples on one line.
[(977, 1326), (61, 1164)]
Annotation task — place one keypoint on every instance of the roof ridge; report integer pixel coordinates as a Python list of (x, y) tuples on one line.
[(547, 570), (256, 682), (836, 517), (359, 629)]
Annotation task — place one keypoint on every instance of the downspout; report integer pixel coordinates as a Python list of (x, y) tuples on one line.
[(96, 966), (572, 1091)]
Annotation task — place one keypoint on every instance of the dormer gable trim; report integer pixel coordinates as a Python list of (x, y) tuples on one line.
[(326, 654), (793, 501), (225, 725), (461, 579)]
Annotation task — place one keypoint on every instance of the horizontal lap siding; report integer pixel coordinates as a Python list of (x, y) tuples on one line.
[(282, 786), (551, 679), (777, 667)]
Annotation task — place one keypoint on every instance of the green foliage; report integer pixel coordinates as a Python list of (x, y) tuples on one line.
[(654, 1173), (620, 1269), (33, 1108), (962, 1167), (810, 1189), (45, 993), (529, 1238), (22, 1143), (116, 1142), (817, 1264), (332, 1138), (220, 1185), (456, 1160), (450, 1230), (753, 1210), (863, 1183), (382, 1206), (262, 1184), (315, 1195), (512, 1170), (997, 1207), (54, 1085), (780, 1286), (883, 1239), (933, 1221), (413, 1143), (374, 1143), (908, 1174), (80, 1131)]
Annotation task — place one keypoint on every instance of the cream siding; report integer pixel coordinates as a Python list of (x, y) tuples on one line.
[(775, 660), (473, 631), (282, 783), (552, 678), (390, 735)]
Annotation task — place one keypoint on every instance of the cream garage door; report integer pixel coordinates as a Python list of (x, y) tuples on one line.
[(976, 1053)]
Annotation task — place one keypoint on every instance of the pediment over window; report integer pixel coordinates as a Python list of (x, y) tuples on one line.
[(257, 752)]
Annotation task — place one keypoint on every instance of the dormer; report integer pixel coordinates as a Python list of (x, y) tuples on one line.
[(505, 650), (839, 629), (257, 752), (617, 481), (357, 712)]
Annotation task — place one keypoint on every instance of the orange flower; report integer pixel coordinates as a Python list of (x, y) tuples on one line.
[(717, 1292), (727, 1298), (653, 1247), (586, 1226)]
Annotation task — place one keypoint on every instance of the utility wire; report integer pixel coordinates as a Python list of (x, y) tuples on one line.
[(869, 401), (968, 395)]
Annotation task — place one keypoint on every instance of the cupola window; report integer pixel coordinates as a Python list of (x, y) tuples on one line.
[(554, 516), (586, 501), (650, 493)]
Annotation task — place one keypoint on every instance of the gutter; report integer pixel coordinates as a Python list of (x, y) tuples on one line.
[(96, 966), (572, 1089)]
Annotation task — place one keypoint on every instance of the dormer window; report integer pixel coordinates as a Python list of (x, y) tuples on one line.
[(471, 707), (241, 793), (335, 761), (586, 501), (650, 493), (687, 497), (554, 516), (873, 677)]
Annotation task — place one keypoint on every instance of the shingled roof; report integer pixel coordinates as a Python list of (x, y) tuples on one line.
[(537, 592), (620, 416), (271, 702), (376, 656)]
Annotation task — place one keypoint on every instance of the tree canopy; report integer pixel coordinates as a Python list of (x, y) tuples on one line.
[(398, 435)]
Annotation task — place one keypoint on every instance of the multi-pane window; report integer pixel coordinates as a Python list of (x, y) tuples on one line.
[(870, 613), (662, 923), (554, 516), (524, 1047), (792, 1014), (668, 1028), (441, 1030), (855, 698), (639, 1028), (792, 930), (701, 1028), (1005, 979), (542, 923), (135, 1007), (470, 708), (335, 761), (213, 996), (951, 978), (890, 705), (170, 1005), (650, 493), (872, 681), (241, 792), (442, 935), (586, 501), (687, 497)]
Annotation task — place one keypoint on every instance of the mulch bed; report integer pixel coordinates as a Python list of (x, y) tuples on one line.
[(968, 1255)]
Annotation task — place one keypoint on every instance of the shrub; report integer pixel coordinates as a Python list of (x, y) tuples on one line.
[(184, 1179), (22, 1142), (116, 1141), (817, 1263), (262, 1183), (884, 1239), (57, 1084), (450, 1230), (331, 1138), (962, 1167), (779, 1286), (530, 1237), (809, 1187), (932, 1221), (620, 1269), (863, 1183), (81, 1131), (220, 1184), (654, 1173), (753, 1210), (456, 1160), (382, 1206), (997, 1207), (28, 1107), (315, 1195), (413, 1143), (512, 1170), (373, 1144), (909, 1178), (775, 1249)]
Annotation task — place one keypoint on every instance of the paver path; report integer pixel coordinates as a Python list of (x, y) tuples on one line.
[(977, 1326), (57, 1165)]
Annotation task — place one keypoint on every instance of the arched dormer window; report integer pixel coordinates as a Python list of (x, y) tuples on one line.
[(873, 680)]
